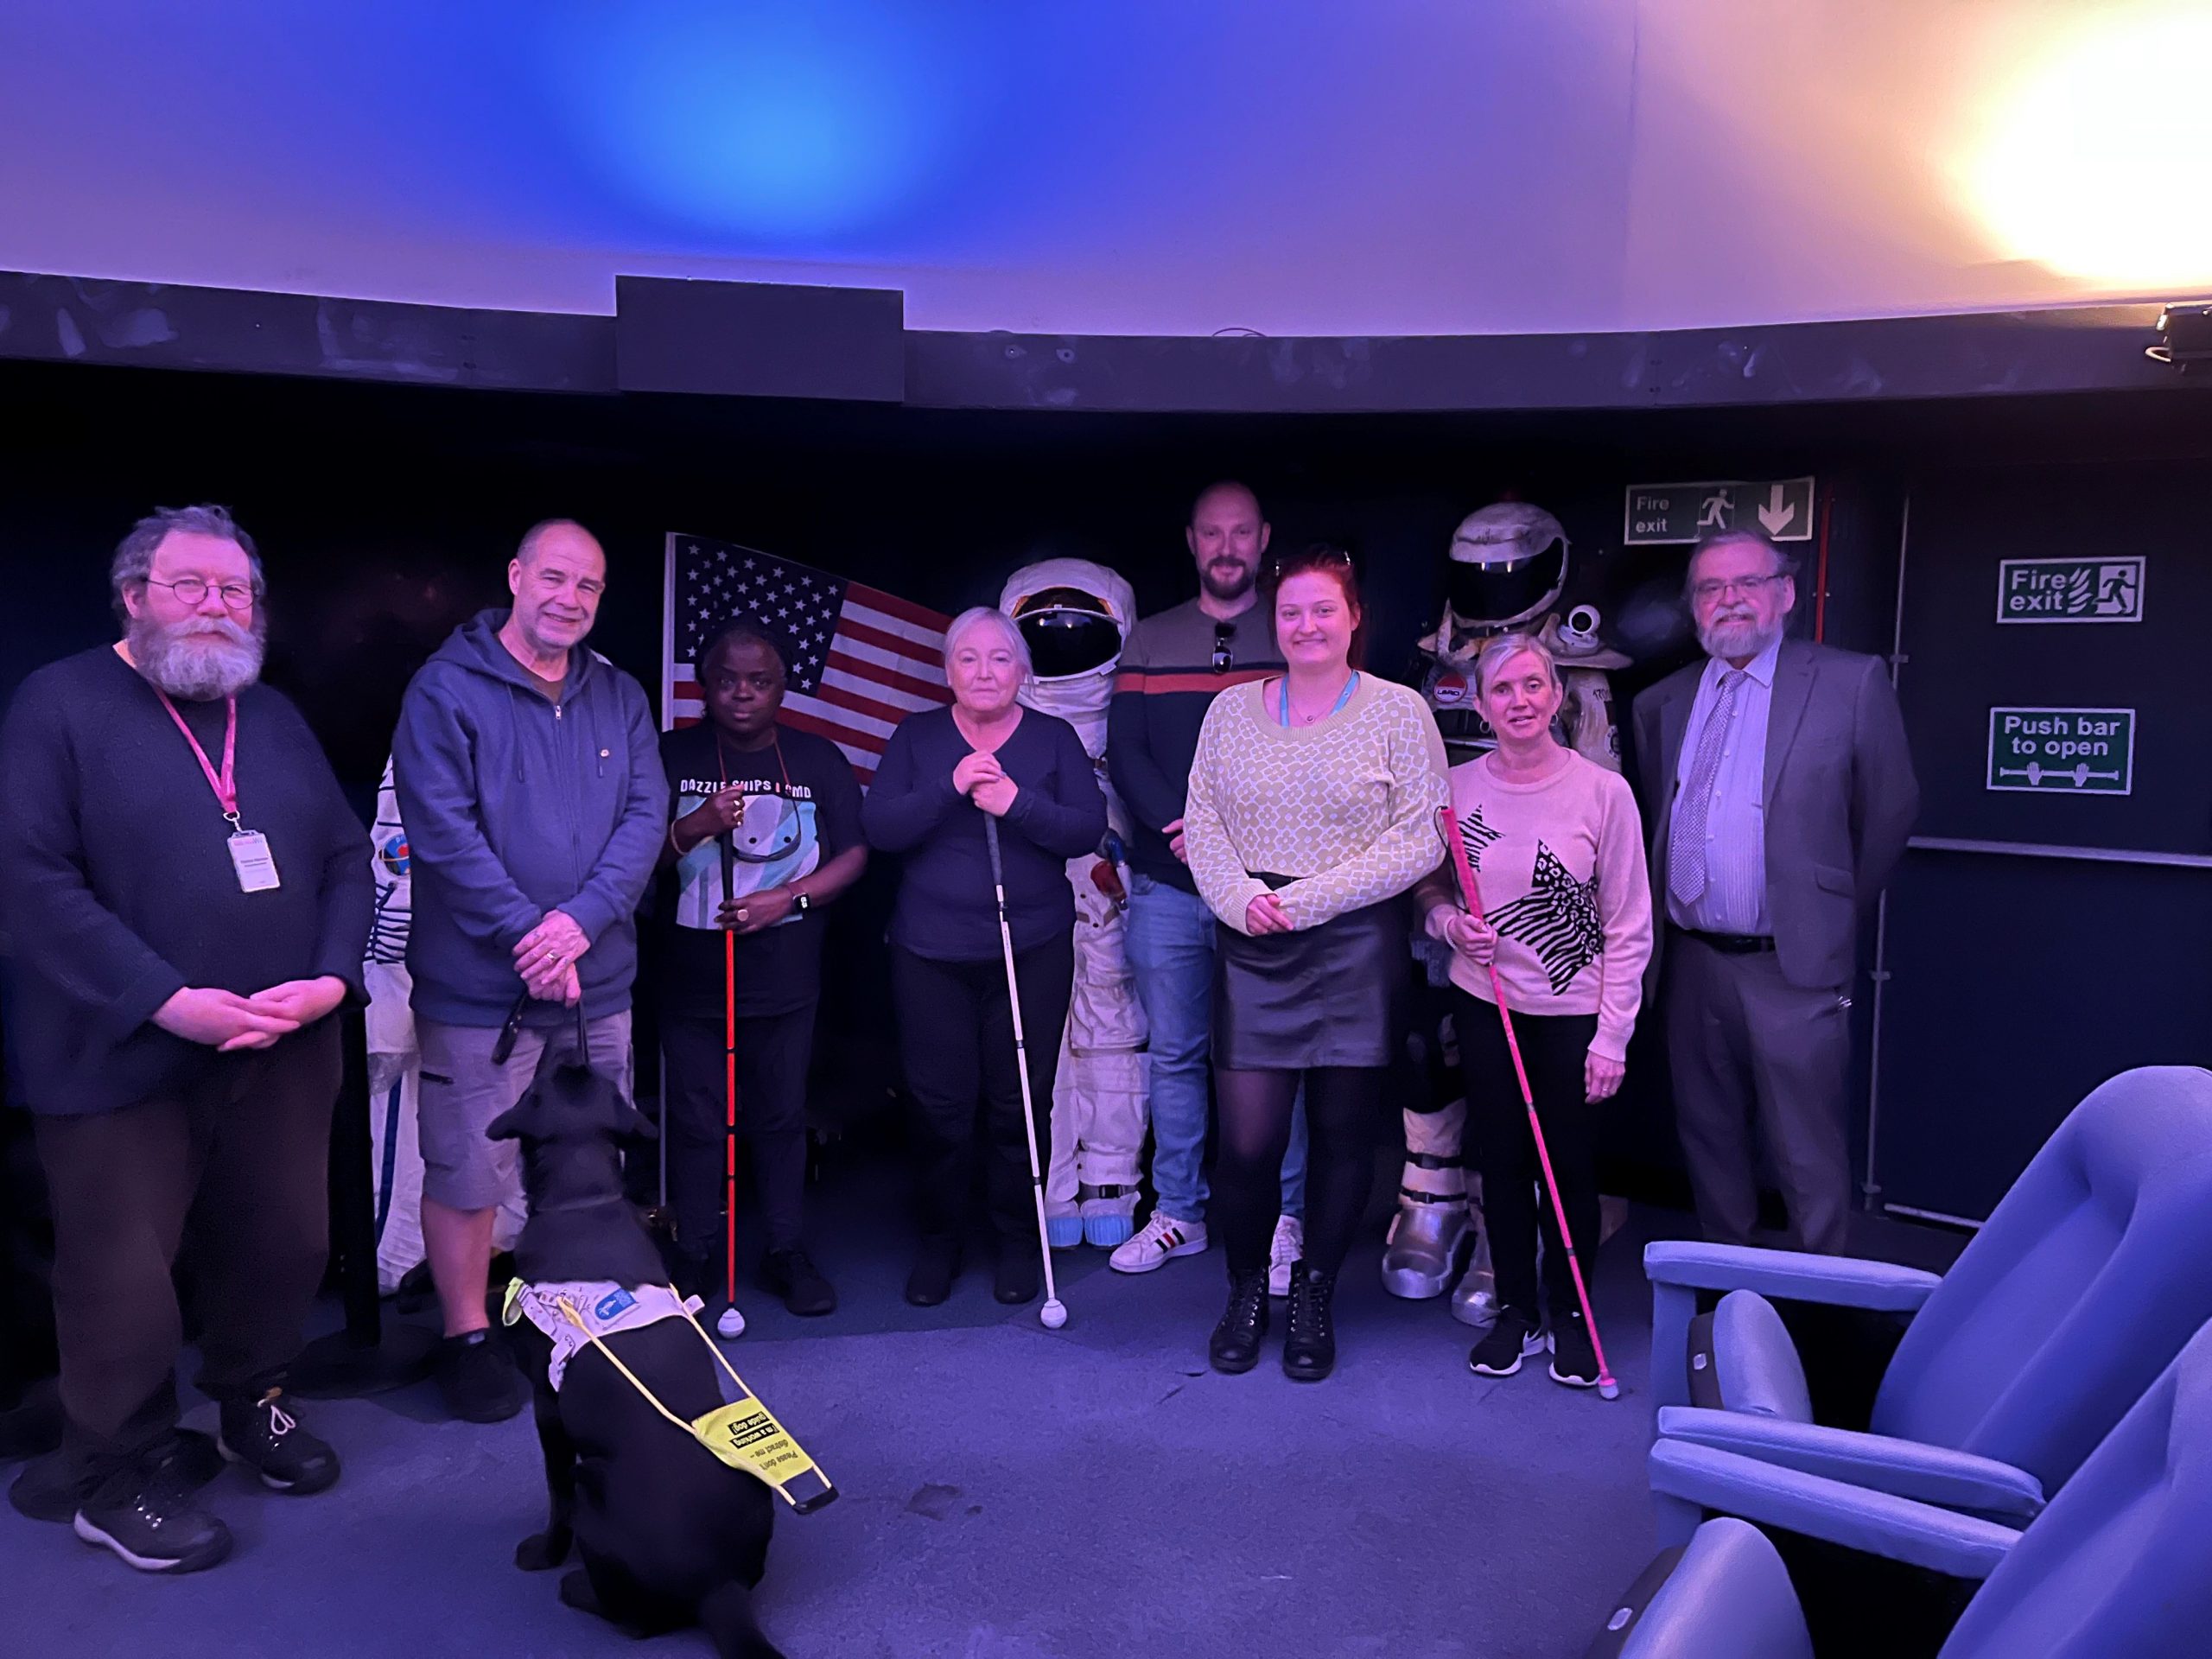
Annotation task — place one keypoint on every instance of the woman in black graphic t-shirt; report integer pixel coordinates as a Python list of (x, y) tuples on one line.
[(766, 830)]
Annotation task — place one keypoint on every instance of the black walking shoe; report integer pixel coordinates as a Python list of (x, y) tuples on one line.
[(1309, 1346), (48, 1488), (148, 1517), (53, 1487), (789, 1274), (264, 1436), (478, 1378), (1575, 1361), (1513, 1338), (1013, 1282), (936, 1264), (1235, 1346)]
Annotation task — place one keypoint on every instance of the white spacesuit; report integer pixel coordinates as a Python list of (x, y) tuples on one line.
[(395, 1063), (1509, 564), (1076, 617)]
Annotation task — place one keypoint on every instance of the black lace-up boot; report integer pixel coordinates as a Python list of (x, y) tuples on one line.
[(1309, 1348), (1236, 1344)]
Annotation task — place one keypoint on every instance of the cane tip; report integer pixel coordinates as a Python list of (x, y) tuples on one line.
[(1052, 1315), (1608, 1389), (730, 1324)]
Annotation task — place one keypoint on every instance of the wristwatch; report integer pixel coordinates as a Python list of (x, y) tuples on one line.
[(801, 902)]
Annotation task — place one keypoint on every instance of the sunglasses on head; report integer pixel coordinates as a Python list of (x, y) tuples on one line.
[(1313, 558)]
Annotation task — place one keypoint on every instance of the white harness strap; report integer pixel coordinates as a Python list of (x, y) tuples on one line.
[(604, 1306)]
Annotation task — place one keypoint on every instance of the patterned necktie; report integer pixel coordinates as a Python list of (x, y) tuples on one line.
[(1686, 873)]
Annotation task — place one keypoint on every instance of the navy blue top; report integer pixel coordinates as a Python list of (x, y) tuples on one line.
[(944, 910), (516, 805)]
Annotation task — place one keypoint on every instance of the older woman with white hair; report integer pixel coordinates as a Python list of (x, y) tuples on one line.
[(942, 773)]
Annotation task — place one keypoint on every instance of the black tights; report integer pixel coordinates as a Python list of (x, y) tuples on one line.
[(1342, 1105)]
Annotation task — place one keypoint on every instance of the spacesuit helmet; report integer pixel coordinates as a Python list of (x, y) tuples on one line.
[(1073, 613), (1069, 630), (1509, 564)]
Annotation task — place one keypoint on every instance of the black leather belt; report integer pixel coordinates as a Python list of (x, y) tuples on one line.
[(1730, 944)]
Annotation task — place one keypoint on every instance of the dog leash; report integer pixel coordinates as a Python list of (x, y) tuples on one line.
[(743, 1435)]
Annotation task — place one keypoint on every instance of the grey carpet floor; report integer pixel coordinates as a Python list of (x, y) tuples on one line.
[(1007, 1493)]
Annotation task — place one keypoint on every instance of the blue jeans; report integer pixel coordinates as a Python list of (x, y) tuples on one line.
[(1171, 938)]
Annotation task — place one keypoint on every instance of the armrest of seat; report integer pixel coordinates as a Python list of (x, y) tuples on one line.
[(1927, 1474), (1877, 1524), (1788, 1275), (1725, 1595)]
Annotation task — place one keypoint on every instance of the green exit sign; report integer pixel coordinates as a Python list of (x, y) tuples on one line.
[(2063, 751), (1656, 514), (2069, 590)]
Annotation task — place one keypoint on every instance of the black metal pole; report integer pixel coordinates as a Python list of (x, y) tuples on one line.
[(370, 1354)]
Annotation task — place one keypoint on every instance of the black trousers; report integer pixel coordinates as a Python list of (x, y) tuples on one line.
[(1552, 1047), (956, 1041), (772, 1051), (231, 1172)]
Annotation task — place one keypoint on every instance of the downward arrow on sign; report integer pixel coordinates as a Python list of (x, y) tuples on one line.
[(1777, 512)]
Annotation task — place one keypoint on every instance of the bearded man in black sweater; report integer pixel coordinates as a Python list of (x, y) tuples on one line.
[(189, 893)]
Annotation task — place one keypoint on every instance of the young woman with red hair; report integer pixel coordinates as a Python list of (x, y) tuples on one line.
[(1311, 809)]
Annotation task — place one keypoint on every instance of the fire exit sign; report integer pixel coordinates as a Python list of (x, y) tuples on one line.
[(2069, 590), (1659, 513)]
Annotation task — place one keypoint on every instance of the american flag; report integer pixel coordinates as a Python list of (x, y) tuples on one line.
[(860, 660)]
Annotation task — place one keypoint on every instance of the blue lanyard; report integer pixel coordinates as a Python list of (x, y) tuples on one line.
[(1343, 696)]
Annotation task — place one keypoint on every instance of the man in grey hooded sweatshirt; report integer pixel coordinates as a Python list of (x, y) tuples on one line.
[(529, 778)]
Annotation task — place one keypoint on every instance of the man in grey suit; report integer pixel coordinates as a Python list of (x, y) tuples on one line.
[(1779, 791)]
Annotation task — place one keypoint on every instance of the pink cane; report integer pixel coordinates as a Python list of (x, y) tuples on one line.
[(1607, 1388)]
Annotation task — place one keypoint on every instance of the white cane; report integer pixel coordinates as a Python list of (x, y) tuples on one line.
[(1054, 1313)]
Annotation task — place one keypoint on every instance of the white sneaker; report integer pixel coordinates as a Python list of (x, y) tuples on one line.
[(1163, 1239), (1283, 1253)]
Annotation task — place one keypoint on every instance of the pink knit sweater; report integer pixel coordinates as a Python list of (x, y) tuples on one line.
[(1559, 864)]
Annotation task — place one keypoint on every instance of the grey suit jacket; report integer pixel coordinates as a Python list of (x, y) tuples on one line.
[(1840, 798)]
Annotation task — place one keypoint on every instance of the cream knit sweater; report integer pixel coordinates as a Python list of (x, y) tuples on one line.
[(1347, 805)]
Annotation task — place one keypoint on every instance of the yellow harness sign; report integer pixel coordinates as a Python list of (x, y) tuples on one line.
[(744, 1435)]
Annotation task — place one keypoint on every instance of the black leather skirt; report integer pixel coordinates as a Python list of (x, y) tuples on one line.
[(1328, 995)]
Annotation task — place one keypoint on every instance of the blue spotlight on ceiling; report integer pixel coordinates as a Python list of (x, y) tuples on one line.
[(769, 126)]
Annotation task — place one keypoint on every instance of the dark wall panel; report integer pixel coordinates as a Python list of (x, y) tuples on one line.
[(2019, 986), (2021, 982)]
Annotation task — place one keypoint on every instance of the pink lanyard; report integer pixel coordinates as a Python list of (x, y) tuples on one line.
[(224, 784)]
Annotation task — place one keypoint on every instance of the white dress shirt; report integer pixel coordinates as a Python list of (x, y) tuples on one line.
[(1734, 899)]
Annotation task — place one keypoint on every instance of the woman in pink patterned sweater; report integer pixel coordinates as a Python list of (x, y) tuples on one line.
[(1557, 850)]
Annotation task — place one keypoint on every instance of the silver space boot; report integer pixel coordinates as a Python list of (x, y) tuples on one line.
[(1431, 1237), (1474, 1299)]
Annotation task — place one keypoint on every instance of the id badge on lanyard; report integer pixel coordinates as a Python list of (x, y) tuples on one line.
[(251, 858)]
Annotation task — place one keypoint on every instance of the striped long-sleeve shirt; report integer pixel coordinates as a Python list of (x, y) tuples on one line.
[(1174, 667)]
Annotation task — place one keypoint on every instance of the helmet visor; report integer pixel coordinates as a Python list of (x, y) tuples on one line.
[(1069, 632), (1511, 590)]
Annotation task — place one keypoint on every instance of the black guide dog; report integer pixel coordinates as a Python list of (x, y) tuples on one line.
[(669, 1535)]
